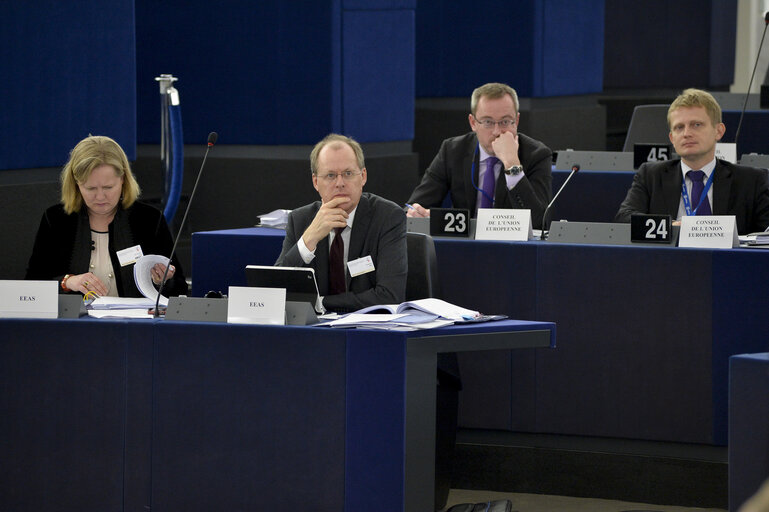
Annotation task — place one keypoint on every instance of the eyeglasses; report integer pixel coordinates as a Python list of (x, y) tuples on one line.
[(489, 124), (332, 176)]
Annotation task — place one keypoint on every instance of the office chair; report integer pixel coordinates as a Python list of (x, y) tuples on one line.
[(649, 125), (422, 278)]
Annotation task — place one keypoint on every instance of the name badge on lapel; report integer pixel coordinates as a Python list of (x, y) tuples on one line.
[(130, 255), (360, 266)]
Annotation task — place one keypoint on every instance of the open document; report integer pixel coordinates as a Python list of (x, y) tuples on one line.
[(411, 315), (435, 307)]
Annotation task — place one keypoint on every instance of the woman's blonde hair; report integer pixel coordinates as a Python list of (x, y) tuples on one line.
[(89, 154)]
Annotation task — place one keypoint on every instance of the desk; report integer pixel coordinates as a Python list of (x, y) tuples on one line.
[(643, 351), (124, 415), (748, 426)]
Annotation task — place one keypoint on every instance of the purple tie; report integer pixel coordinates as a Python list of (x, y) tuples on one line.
[(697, 187), (489, 183), (336, 277)]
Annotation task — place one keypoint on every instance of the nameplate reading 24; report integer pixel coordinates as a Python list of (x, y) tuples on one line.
[(650, 228)]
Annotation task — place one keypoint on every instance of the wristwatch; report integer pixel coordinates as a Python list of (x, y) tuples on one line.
[(514, 170)]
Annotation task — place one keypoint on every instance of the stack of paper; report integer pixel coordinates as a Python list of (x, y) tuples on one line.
[(274, 219), (753, 239), (121, 307), (133, 307)]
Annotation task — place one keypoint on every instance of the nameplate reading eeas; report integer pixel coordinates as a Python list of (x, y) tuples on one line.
[(709, 231), (450, 222), (251, 305), (499, 224), (643, 153), (648, 228), (29, 299)]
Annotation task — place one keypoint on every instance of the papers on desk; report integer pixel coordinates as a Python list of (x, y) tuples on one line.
[(133, 307), (390, 321), (121, 307), (121, 313), (274, 219), (760, 239), (408, 316), (436, 307)]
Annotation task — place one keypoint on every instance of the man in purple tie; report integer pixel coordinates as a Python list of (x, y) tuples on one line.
[(494, 166), (699, 183)]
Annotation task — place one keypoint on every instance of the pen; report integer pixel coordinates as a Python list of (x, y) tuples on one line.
[(410, 207)]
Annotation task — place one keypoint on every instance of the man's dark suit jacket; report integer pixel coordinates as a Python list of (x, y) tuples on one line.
[(450, 171), (379, 231), (737, 190)]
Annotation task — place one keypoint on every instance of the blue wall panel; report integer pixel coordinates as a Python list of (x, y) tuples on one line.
[(68, 70), (279, 72), (378, 66), (539, 47), (256, 72), (572, 48), (656, 43), (461, 45)]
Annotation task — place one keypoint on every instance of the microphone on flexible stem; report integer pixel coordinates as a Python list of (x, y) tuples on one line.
[(211, 141), (750, 84), (574, 169)]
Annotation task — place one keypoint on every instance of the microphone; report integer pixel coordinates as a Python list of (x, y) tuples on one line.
[(750, 84), (574, 169), (211, 141)]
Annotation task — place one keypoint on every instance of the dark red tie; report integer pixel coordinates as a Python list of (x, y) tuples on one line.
[(336, 277)]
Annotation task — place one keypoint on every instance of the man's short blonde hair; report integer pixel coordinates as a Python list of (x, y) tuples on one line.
[(336, 140), (89, 154), (492, 91), (697, 98)]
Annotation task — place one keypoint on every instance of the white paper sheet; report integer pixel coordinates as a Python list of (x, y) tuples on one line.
[(143, 276)]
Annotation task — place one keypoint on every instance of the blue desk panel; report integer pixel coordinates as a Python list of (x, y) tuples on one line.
[(75, 404), (220, 267), (645, 333), (748, 426), (132, 415), (590, 196), (755, 126)]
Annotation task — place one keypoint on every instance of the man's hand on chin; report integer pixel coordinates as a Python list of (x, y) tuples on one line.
[(506, 149), (330, 215)]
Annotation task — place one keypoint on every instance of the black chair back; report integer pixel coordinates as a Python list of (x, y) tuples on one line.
[(422, 279), (649, 125)]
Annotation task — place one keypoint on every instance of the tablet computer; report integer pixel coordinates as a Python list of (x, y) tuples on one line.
[(299, 282)]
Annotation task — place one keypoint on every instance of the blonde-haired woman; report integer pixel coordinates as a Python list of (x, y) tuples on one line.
[(79, 239)]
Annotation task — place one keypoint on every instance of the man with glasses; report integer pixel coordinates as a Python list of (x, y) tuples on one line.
[(355, 241), (494, 166)]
